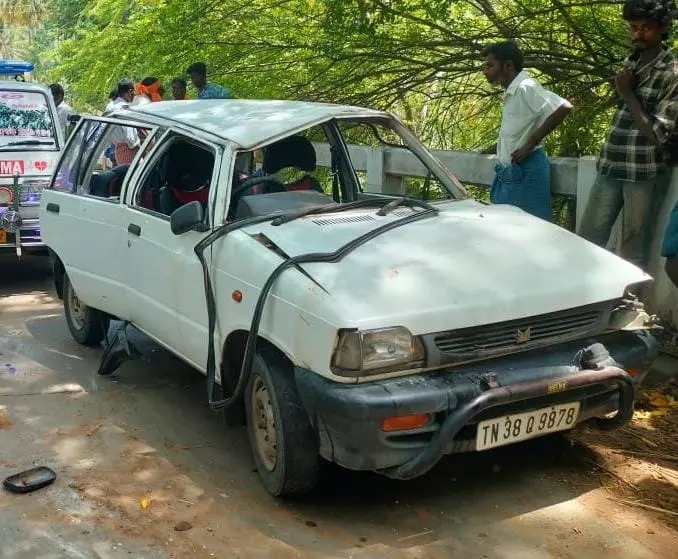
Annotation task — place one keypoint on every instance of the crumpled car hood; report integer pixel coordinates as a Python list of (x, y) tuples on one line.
[(469, 265)]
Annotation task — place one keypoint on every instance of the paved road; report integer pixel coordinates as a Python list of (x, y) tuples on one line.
[(139, 452)]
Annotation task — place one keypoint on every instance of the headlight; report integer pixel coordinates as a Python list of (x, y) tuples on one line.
[(32, 189), (376, 351)]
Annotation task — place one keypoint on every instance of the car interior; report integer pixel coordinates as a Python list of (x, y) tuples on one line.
[(108, 184), (183, 171), (285, 181), (181, 174)]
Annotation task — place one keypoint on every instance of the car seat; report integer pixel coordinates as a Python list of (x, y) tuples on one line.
[(296, 152), (108, 183), (188, 173)]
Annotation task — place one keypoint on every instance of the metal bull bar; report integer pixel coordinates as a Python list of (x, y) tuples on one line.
[(492, 397)]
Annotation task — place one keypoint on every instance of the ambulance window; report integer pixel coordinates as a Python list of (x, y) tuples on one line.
[(25, 121)]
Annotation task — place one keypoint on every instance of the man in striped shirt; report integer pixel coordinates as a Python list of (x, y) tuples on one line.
[(634, 167)]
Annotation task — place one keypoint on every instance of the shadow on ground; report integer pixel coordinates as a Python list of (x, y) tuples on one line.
[(158, 404)]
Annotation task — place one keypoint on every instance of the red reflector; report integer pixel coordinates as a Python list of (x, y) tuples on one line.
[(404, 422)]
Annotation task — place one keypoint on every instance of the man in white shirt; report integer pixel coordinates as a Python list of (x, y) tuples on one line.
[(530, 113), (125, 138), (124, 95), (63, 109)]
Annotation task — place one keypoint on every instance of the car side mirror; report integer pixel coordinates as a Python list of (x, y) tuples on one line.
[(188, 217), (73, 118)]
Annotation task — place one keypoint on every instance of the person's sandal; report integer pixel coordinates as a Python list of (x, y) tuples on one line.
[(29, 480)]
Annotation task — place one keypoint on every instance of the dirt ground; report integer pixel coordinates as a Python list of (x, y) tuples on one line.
[(146, 470), (638, 465)]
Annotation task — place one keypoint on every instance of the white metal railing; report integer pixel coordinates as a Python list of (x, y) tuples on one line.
[(467, 166)]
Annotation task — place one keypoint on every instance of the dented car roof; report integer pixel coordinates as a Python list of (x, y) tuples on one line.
[(247, 122)]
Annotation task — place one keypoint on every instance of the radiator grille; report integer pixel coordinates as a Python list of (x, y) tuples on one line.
[(522, 333)]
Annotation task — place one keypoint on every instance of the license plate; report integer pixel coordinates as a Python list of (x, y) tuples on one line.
[(521, 426), (3, 236)]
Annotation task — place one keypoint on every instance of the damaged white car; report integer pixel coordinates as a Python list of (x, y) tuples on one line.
[(376, 331)]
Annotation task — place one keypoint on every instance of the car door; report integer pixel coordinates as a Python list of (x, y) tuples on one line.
[(81, 214), (165, 279)]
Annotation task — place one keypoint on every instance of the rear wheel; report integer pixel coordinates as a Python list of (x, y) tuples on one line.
[(88, 326), (283, 443)]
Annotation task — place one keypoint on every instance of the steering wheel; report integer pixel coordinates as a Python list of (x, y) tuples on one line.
[(268, 183)]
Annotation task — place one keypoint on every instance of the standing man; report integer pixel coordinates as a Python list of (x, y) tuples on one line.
[(178, 89), (530, 113), (206, 90), (125, 139), (124, 95), (149, 90), (64, 110), (634, 167)]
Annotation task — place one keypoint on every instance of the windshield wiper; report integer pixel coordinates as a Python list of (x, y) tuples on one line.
[(30, 143), (392, 205), (335, 208), (329, 208), (411, 203), (291, 216)]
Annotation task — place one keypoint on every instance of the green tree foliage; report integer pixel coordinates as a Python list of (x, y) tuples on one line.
[(418, 58), (19, 21)]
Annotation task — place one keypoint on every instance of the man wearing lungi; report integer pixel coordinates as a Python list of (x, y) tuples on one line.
[(530, 113)]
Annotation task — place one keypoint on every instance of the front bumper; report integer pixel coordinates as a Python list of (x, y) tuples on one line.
[(347, 418)]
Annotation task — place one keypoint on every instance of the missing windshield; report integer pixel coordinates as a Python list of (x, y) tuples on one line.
[(387, 163)]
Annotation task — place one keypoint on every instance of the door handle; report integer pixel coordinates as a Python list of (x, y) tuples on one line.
[(134, 229), (52, 207)]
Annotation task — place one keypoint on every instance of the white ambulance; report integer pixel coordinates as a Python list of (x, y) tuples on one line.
[(31, 141)]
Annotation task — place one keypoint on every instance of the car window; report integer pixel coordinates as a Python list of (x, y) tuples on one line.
[(181, 170), (68, 170), (98, 159), (26, 121), (413, 180)]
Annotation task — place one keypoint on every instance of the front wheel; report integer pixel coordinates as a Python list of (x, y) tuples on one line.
[(88, 326), (283, 443)]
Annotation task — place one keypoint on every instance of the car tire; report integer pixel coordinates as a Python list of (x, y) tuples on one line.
[(284, 445), (88, 326)]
